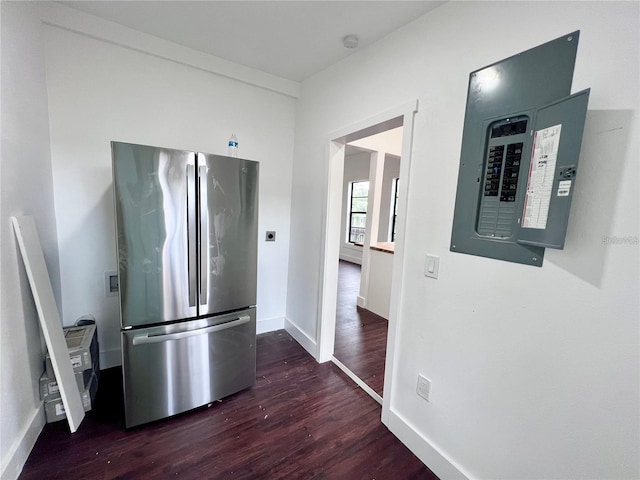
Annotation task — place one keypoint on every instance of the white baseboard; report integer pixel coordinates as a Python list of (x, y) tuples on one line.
[(302, 338), (110, 358), (361, 302), (425, 450), (18, 453), (351, 258), (269, 325)]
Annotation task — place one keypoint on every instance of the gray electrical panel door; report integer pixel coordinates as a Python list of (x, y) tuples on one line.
[(557, 136), (513, 106)]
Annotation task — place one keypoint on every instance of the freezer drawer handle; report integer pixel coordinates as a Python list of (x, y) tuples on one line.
[(143, 339)]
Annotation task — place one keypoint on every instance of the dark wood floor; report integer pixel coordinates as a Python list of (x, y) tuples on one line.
[(301, 420), (361, 335)]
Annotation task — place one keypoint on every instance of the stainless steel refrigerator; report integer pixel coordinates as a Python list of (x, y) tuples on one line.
[(187, 258)]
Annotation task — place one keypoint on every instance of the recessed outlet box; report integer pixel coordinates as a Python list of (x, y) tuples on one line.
[(111, 284), (424, 387), (271, 236)]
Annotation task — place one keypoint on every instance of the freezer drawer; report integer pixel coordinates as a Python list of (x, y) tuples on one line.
[(174, 368)]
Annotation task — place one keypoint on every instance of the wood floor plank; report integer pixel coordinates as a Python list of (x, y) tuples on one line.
[(300, 420), (361, 335)]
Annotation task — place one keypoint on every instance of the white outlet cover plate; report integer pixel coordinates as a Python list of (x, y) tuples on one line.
[(424, 387)]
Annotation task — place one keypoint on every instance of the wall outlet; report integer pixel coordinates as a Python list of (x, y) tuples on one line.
[(424, 387), (111, 285)]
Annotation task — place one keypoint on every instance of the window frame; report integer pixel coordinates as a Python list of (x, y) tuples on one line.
[(351, 212), (394, 209)]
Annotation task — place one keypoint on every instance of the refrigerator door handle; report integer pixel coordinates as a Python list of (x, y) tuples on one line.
[(204, 232), (192, 266), (146, 338)]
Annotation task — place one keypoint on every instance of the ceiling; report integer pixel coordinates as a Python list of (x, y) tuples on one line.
[(290, 39), (388, 141)]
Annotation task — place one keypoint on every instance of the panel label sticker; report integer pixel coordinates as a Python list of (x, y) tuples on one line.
[(76, 361), (540, 181), (564, 187), (53, 387), (59, 409)]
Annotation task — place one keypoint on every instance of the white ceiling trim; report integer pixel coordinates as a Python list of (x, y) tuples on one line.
[(71, 19)]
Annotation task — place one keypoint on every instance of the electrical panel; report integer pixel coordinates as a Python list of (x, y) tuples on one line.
[(520, 149), (503, 157)]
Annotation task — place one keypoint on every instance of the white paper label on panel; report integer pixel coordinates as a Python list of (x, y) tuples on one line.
[(564, 187), (540, 181), (76, 361), (53, 387), (60, 409)]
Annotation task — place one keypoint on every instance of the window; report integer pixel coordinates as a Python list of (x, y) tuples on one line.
[(394, 210), (358, 198)]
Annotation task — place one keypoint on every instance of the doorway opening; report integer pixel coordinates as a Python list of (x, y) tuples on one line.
[(380, 228), (369, 211)]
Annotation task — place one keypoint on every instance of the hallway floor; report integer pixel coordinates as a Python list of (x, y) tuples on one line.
[(361, 336), (301, 419)]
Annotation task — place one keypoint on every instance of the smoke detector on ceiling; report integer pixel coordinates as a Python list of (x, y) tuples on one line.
[(350, 41)]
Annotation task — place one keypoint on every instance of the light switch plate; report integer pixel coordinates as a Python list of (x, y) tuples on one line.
[(431, 266)]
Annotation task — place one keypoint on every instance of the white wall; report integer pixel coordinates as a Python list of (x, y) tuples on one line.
[(546, 386), (26, 189), (390, 142), (378, 295), (356, 168), (99, 92)]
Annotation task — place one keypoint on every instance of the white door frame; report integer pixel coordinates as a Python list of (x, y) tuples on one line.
[(327, 295)]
